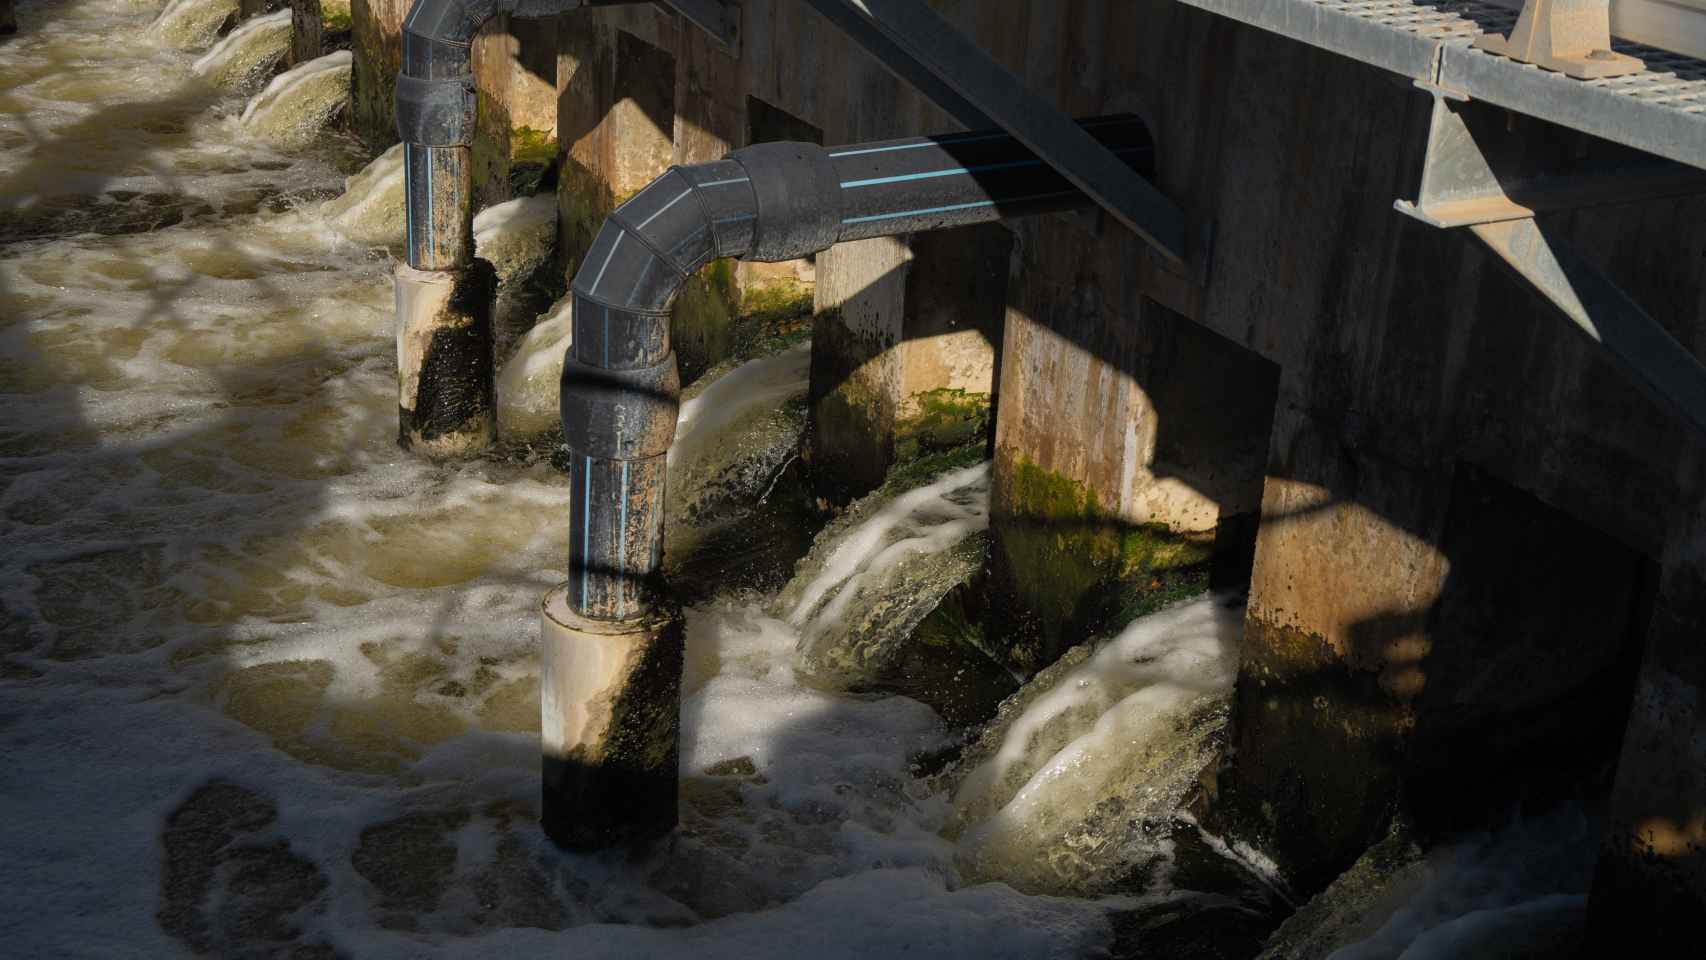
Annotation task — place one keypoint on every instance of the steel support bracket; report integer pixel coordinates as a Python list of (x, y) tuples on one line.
[(1493, 172), (1571, 37), (718, 18), (1484, 165), (917, 45)]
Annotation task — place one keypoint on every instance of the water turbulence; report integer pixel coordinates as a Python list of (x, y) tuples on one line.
[(287, 675), (248, 53), (191, 24), (370, 209), (300, 101)]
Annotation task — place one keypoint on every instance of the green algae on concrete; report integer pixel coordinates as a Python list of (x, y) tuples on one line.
[(947, 417), (584, 199), (1066, 568), (701, 325)]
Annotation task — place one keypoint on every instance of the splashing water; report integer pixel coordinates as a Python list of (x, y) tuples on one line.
[(270, 683), (1128, 726), (191, 24), (247, 53), (529, 384), (371, 210), (300, 101)]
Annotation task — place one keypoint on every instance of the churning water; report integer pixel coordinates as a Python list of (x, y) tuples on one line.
[(270, 682)]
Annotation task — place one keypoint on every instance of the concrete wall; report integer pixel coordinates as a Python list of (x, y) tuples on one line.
[(1405, 448)]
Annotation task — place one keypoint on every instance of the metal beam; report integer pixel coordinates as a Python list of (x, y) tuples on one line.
[(1658, 364), (1481, 166), (917, 43)]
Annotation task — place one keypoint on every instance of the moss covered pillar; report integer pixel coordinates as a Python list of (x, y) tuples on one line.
[(1129, 452), (903, 351)]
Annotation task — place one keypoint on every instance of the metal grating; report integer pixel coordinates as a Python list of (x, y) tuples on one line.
[(1661, 110)]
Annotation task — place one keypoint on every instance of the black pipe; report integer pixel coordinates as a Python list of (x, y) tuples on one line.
[(435, 120), (769, 202)]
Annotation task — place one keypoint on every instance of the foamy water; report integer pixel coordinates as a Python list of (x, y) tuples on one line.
[(247, 53), (267, 681)]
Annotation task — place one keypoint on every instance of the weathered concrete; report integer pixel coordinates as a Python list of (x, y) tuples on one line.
[(515, 78), (307, 28), (1407, 377), (376, 41), (444, 360), (609, 695), (903, 350)]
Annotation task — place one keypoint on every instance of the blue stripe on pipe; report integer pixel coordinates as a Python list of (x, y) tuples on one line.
[(932, 174), (740, 219), (957, 206), (936, 142), (586, 533), (920, 213), (607, 258), (409, 191), (724, 183), (431, 243), (622, 551), (661, 209)]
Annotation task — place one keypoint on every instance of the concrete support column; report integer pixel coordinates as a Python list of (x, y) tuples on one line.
[(376, 28), (307, 26), (445, 407), (1129, 450), (514, 62), (1423, 640), (610, 700), (903, 350)]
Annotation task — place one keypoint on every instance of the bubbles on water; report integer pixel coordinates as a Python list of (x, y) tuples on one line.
[(191, 24), (300, 101), (248, 53)]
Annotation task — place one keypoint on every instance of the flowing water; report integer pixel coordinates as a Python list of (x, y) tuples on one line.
[(267, 682), (247, 53)]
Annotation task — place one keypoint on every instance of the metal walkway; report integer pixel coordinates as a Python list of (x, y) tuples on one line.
[(1661, 110)]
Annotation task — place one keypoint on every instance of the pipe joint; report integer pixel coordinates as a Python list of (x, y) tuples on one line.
[(798, 196), (620, 414)]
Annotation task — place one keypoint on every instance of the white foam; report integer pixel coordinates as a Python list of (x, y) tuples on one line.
[(297, 103), (248, 51), (372, 208), (761, 383), (870, 547), (529, 385), (190, 24), (1513, 892)]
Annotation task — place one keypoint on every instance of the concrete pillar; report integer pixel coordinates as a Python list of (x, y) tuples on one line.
[(1129, 451), (903, 350), (307, 25), (1422, 640), (514, 63), (610, 696), (1650, 887), (444, 360), (376, 41)]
